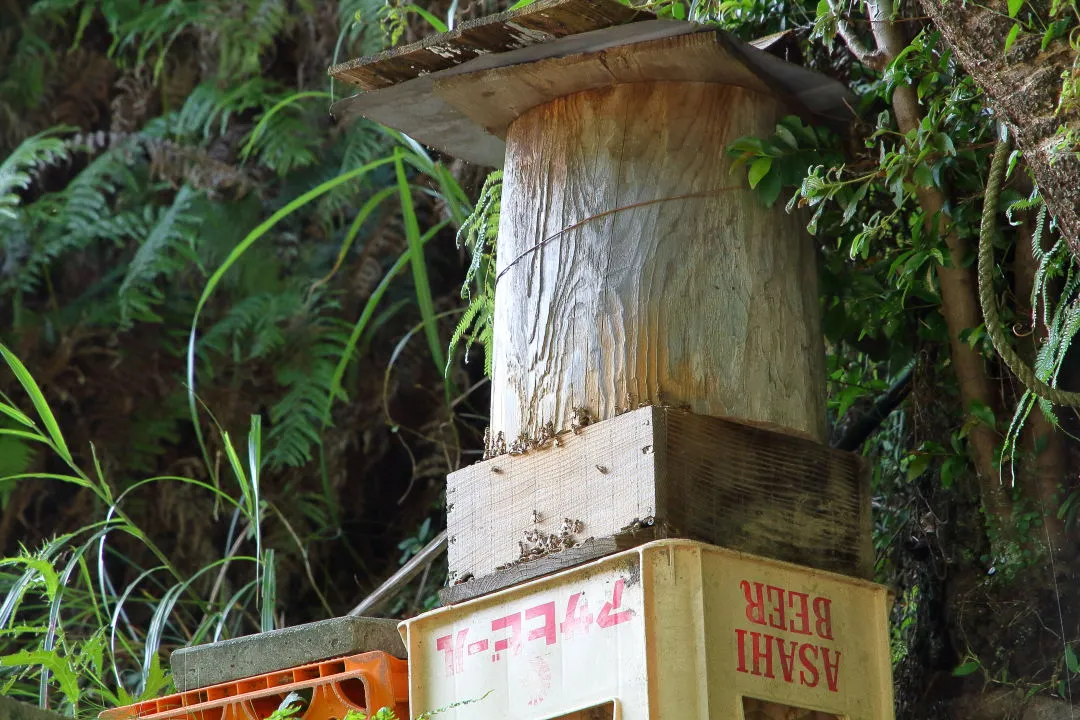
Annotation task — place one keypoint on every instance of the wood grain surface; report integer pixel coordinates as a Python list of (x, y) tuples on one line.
[(634, 268), (658, 472)]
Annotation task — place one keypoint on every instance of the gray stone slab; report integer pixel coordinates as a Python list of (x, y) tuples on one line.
[(228, 660), (15, 710)]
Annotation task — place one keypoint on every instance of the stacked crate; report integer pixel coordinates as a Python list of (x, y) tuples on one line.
[(323, 670)]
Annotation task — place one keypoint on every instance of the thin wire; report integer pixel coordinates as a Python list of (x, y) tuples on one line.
[(1061, 621), (575, 226)]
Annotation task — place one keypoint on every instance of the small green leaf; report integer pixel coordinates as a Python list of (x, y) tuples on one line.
[(769, 189), (950, 469), (1014, 32), (983, 413), (967, 668), (918, 466), (759, 169), (787, 137), (922, 175), (1071, 660), (1014, 7)]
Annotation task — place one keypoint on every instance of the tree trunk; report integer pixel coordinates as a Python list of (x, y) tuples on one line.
[(634, 269), (1023, 86)]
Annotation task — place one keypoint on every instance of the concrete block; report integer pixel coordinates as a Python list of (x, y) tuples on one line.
[(15, 710), (228, 660)]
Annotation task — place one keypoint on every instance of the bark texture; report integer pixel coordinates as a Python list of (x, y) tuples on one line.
[(1024, 87)]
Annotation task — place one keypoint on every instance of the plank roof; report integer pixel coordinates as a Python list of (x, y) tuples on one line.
[(457, 91)]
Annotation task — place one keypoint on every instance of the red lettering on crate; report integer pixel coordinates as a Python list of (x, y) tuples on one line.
[(578, 619), (766, 605), (809, 665), (799, 602), (576, 622), (452, 651), (775, 597), (762, 654), (605, 619), (546, 611), (755, 606), (757, 659), (823, 617), (514, 641)]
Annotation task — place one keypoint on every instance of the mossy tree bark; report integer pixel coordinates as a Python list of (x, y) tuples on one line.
[(1024, 86)]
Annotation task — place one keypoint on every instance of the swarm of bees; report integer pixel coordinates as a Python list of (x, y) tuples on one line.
[(496, 445), (538, 544)]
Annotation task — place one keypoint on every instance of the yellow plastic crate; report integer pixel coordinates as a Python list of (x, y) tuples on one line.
[(673, 630)]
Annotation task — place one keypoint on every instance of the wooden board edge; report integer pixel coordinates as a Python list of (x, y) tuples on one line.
[(453, 47), (591, 549)]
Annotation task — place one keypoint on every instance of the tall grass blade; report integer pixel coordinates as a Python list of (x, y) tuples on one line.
[(268, 594), (242, 247), (40, 403), (416, 257), (365, 318)]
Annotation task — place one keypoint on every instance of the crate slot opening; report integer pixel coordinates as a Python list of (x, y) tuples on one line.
[(754, 709), (603, 711)]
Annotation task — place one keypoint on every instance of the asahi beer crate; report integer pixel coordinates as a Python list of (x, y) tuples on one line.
[(672, 629)]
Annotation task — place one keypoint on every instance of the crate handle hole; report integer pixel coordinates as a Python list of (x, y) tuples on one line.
[(754, 709), (353, 692), (603, 711)]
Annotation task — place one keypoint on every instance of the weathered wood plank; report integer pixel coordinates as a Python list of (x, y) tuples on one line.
[(685, 475), (591, 549), (494, 98), (539, 22)]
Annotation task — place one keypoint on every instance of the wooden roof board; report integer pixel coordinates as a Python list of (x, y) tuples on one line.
[(414, 108), (418, 109), (540, 22), (495, 98)]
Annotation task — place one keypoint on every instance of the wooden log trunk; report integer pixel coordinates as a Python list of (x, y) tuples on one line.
[(634, 268)]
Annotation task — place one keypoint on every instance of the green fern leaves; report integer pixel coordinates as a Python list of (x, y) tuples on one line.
[(162, 252), (15, 172), (479, 234)]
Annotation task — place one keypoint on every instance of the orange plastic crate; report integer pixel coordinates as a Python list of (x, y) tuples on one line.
[(366, 683)]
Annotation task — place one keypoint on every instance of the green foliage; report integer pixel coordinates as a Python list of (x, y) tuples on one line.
[(15, 172), (205, 181), (205, 188), (478, 234), (783, 158), (67, 579)]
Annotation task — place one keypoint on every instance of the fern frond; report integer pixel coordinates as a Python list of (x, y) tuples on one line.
[(207, 110), (158, 255), (32, 154), (479, 234), (244, 32), (87, 196), (297, 416), (476, 324), (288, 142)]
